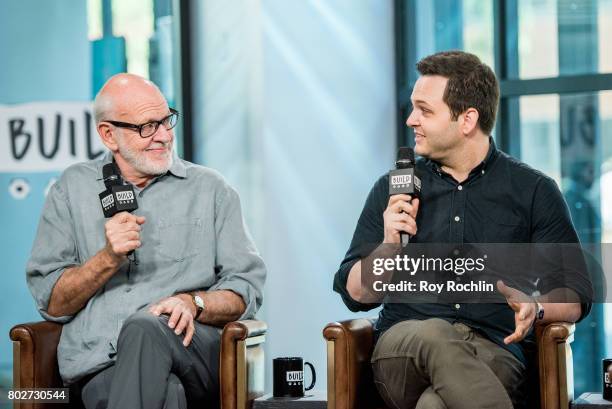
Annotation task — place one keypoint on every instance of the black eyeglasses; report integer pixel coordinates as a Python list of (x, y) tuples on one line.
[(148, 129)]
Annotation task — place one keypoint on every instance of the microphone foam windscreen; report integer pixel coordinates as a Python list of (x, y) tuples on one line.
[(110, 174), (405, 153)]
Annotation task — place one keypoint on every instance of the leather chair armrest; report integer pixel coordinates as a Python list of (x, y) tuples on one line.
[(35, 358), (35, 355), (241, 330), (241, 372), (349, 374), (555, 365)]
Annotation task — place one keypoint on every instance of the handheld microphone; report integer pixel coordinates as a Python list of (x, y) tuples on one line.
[(402, 180), (117, 197)]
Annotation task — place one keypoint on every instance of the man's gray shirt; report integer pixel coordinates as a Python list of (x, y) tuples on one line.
[(194, 238)]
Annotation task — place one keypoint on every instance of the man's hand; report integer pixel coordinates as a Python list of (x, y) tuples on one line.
[(122, 234), (524, 311), (400, 216), (180, 310)]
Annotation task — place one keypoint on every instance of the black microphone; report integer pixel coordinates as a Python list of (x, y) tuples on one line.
[(111, 175), (402, 180), (117, 197)]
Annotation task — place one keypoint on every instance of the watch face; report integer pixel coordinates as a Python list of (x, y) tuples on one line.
[(540, 313), (198, 301)]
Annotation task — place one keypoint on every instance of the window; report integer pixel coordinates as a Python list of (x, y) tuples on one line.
[(554, 64), (144, 37)]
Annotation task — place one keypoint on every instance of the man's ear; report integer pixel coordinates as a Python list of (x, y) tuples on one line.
[(470, 121), (108, 136)]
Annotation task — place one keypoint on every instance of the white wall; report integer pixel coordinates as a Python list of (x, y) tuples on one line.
[(295, 105)]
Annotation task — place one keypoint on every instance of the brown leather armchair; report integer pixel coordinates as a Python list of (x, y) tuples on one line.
[(241, 365), (349, 374)]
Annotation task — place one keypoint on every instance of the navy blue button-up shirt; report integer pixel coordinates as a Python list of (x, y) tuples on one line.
[(501, 201)]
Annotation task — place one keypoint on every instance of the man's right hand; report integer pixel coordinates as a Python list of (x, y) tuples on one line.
[(400, 216), (122, 234)]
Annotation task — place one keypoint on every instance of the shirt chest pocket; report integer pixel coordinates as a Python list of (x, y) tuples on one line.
[(502, 227), (180, 238)]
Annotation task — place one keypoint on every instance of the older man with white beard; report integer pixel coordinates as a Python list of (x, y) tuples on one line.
[(143, 332)]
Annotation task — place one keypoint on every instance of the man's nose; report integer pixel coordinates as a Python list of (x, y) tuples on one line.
[(163, 135), (412, 120)]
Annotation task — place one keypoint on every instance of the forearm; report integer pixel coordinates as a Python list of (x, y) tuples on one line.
[(220, 306), (353, 282), (561, 304), (555, 312), (78, 284), (360, 287)]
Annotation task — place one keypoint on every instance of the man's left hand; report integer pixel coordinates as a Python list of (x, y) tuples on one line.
[(524, 312), (180, 312)]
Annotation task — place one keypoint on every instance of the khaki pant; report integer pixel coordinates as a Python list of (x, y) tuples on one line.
[(433, 364)]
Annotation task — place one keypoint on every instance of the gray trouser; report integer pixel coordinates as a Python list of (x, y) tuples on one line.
[(154, 370), (433, 364)]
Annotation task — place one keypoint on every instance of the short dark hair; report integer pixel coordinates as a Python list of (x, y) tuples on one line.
[(471, 84)]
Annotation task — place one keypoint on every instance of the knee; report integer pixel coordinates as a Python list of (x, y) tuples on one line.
[(435, 332), (408, 338), (142, 322)]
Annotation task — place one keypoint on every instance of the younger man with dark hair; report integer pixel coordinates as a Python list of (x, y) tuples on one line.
[(458, 355)]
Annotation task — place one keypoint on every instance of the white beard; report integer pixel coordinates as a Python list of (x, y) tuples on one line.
[(139, 162)]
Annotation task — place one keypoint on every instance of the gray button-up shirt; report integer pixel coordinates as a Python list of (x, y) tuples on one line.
[(194, 238)]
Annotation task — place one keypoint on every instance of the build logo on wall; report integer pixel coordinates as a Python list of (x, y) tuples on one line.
[(45, 137)]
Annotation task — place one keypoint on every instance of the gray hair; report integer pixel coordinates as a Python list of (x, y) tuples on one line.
[(102, 105)]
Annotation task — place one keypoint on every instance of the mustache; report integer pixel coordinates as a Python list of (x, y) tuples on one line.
[(158, 145)]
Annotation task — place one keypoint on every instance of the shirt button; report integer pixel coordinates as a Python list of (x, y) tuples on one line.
[(456, 252), (482, 172), (457, 218), (459, 187), (457, 306)]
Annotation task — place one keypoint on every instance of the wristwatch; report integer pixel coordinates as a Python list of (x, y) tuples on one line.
[(539, 311), (199, 304)]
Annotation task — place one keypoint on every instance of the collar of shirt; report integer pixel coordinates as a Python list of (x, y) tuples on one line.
[(478, 170)]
